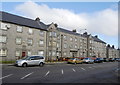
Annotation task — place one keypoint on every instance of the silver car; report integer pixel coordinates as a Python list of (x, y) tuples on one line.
[(31, 60), (88, 60)]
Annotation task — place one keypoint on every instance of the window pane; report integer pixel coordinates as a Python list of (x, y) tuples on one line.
[(19, 29), (4, 26), (3, 39), (17, 53), (41, 33), (65, 45), (41, 53), (18, 40), (53, 53), (30, 41), (41, 42), (30, 31), (3, 52), (29, 53)]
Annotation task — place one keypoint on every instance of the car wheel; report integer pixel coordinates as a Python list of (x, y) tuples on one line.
[(24, 65), (41, 64), (75, 63)]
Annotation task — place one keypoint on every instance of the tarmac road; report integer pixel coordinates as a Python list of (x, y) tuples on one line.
[(62, 73)]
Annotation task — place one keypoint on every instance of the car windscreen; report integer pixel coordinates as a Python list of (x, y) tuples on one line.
[(72, 58), (25, 58), (85, 58)]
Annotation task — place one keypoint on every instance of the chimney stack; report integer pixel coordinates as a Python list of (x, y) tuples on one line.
[(96, 36), (37, 19)]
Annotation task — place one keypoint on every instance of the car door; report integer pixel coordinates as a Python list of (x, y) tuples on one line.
[(30, 61)]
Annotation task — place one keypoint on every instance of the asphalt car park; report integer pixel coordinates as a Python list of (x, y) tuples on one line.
[(62, 73)]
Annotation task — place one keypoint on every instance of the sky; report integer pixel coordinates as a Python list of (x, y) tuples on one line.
[(99, 18)]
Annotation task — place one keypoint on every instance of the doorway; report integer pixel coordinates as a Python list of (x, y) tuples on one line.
[(23, 54)]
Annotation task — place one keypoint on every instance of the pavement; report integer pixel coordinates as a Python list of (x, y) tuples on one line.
[(62, 73)]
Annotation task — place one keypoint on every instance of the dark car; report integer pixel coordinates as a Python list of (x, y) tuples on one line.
[(98, 60), (118, 59), (111, 59), (105, 60)]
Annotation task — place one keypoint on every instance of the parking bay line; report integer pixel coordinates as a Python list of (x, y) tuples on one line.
[(6, 76), (90, 67), (83, 69), (47, 73), (62, 71), (73, 70), (27, 75)]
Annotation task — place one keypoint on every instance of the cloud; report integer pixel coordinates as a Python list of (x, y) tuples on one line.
[(102, 22)]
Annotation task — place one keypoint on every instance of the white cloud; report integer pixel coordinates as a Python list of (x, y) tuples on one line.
[(102, 22)]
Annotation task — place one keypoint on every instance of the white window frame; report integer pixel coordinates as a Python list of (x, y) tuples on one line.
[(3, 39), (29, 53), (65, 45), (3, 52), (65, 37), (75, 46), (53, 53), (41, 52), (71, 39), (30, 31), (41, 33), (18, 40), (75, 39), (41, 42), (30, 41), (19, 29), (5, 26), (17, 53)]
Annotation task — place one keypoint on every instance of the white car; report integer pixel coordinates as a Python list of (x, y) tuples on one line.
[(31, 60), (88, 60)]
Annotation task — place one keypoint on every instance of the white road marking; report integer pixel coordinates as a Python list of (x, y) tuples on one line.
[(94, 66), (83, 69), (6, 76), (47, 73), (62, 71), (90, 67), (27, 75), (73, 70)]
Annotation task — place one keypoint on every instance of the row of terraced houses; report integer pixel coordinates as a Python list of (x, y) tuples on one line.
[(21, 37)]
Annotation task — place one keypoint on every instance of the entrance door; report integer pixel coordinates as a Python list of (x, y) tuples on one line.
[(74, 54), (23, 54)]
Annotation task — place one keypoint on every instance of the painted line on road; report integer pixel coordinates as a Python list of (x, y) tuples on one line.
[(94, 66), (83, 69), (73, 69), (90, 67), (27, 75), (47, 73), (62, 71), (6, 76)]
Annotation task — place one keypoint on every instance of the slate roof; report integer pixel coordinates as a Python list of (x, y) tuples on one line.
[(68, 31), (98, 40), (7, 17), (11, 18)]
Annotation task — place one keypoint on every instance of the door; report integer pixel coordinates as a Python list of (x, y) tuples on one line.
[(23, 54)]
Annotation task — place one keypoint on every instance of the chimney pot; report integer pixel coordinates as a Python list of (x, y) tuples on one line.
[(37, 19)]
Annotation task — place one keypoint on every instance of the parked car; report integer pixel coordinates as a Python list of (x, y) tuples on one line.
[(111, 59), (31, 60), (98, 60), (105, 60), (88, 60), (75, 60), (118, 59)]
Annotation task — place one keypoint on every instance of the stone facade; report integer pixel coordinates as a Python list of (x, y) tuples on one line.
[(18, 40)]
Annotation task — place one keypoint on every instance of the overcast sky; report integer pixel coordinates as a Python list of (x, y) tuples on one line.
[(99, 18)]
